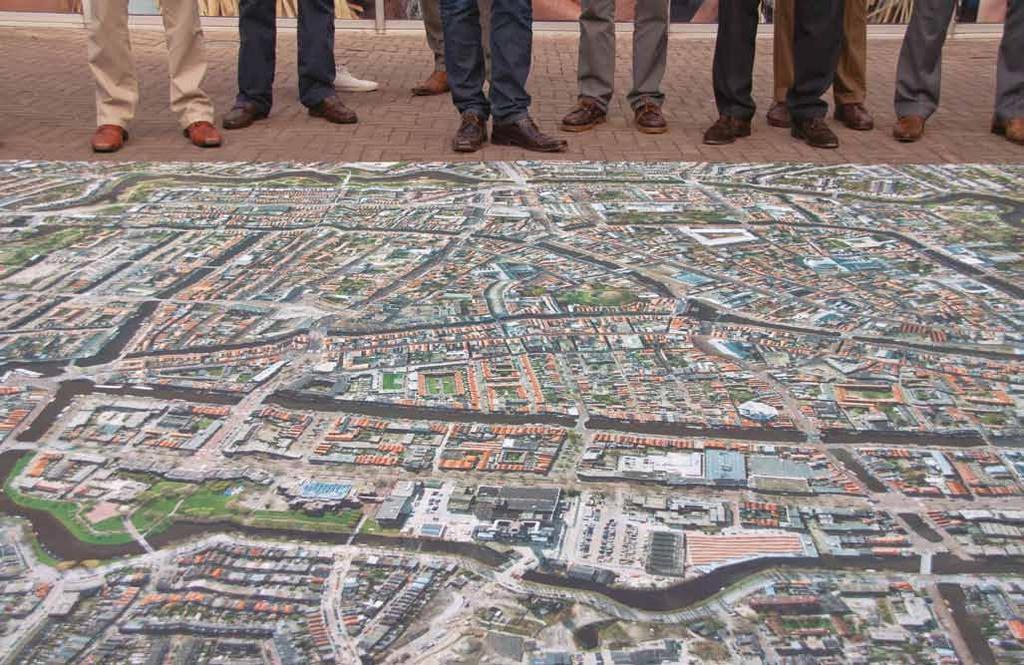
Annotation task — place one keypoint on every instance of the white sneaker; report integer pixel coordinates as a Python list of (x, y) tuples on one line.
[(345, 82)]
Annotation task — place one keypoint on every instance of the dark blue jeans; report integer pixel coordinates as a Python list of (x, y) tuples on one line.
[(257, 28), (511, 50)]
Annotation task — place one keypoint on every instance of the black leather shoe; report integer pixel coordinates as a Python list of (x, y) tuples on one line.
[(243, 115), (726, 130), (778, 115), (524, 133), (815, 132), (472, 133)]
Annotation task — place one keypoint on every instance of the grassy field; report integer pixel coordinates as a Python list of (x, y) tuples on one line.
[(394, 381), (20, 252), (443, 384), (597, 297), (66, 512)]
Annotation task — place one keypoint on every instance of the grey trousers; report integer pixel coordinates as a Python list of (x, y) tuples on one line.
[(435, 31), (597, 51), (919, 75)]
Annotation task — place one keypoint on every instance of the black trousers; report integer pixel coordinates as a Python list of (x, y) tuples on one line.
[(257, 28), (816, 43)]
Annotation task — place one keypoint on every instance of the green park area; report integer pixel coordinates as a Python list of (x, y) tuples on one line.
[(599, 297), (16, 254), (394, 381), (440, 384), (166, 502)]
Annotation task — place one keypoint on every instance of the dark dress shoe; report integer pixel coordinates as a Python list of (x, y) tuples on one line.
[(778, 115), (649, 119), (472, 133), (524, 133), (1012, 129), (243, 115), (855, 116), (909, 128), (815, 133), (436, 84), (334, 110), (203, 134), (726, 130), (587, 114), (109, 138)]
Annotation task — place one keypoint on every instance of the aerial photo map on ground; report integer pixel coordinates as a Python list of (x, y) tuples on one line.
[(519, 413)]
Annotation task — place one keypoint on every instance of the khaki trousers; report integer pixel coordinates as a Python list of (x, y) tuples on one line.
[(851, 85), (112, 65)]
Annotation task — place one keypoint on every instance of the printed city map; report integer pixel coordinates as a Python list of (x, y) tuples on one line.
[(545, 413)]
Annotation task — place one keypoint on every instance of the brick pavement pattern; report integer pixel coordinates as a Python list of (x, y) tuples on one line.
[(46, 106)]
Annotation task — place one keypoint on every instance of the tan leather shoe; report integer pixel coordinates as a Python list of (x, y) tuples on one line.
[(436, 84), (909, 128), (1012, 129), (203, 135), (109, 138)]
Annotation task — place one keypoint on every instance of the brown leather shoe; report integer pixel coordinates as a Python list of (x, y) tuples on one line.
[(726, 130), (1012, 129), (334, 110), (587, 114), (855, 116), (909, 128), (649, 119), (472, 133), (109, 138), (815, 133), (436, 84), (242, 115), (203, 134), (778, 115), (524, 133)]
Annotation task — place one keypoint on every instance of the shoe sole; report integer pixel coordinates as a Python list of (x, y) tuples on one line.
[(317, 114), (741, 135), (418, 92), (652, 130), (357, 90), (457, 148), (499, 140), (105, 150), (576, 129), (797, 134), (779, 123), (230, 127), (908, 139)]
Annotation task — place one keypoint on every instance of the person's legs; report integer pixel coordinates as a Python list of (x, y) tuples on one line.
[(596, 70), (187, 62), (316, 51), (511, 54), (851, 83), (650, 52), (1010, 72), (464, 56), (111, 63), (817, 32), (919, 73), (782, 49), (257, 52), (435, 31), (733, 69)]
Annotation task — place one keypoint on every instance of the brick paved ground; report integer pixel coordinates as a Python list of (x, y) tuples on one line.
[(46, 109)]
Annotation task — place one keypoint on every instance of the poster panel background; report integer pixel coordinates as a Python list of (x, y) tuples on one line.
[(683, 11)]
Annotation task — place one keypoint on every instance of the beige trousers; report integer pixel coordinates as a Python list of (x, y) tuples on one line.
[(851, 84), (112, 65)]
